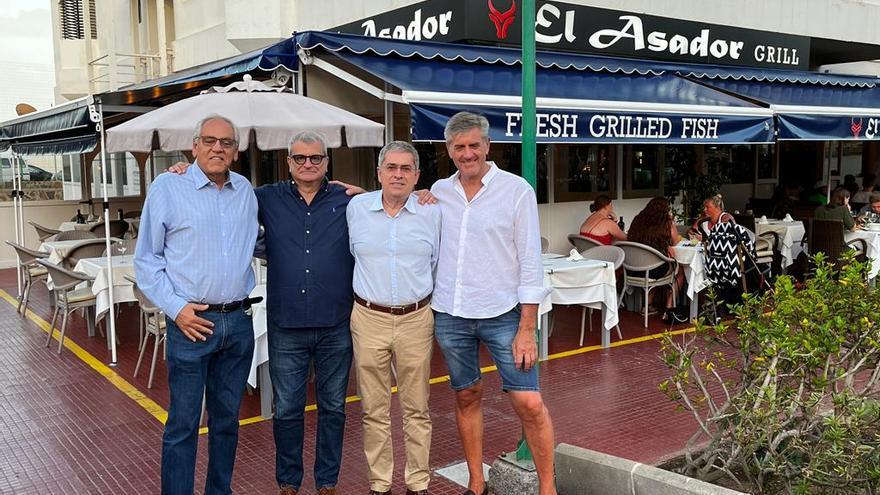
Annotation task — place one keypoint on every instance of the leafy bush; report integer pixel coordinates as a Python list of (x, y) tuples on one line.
[(786, 396)]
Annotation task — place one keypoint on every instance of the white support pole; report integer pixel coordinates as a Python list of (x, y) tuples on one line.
[(111, 313), (19, 231)]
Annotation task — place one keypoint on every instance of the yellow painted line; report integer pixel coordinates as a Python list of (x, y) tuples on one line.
[(111, 376), (161, 414)]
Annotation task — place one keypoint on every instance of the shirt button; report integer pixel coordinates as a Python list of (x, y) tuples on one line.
[(304, 291), (309, 214), (308, 231), (307, 251), (307, 271)]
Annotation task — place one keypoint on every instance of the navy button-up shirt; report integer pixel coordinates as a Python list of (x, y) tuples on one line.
[(306, 247)]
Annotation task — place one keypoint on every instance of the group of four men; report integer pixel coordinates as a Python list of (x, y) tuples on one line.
[(376, 276)]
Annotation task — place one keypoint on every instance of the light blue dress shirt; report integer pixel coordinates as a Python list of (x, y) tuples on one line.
[(394, 257), (195, 241)]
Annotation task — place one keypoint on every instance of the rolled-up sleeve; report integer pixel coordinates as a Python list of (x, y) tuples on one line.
[(527, 238), (149, 259)]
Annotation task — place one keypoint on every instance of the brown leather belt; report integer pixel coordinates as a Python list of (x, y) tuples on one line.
[(393, 310)]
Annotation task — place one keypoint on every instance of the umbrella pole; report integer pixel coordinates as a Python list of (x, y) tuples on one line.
[(111, 313), (16, 202)]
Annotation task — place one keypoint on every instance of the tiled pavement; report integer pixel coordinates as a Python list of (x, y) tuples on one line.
[(70, 424)]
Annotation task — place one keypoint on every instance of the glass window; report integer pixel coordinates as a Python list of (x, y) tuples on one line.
[(123, 176), (642, 170), (736, 160), (40, 177), (766, 161), (851, 157), (582, 171)]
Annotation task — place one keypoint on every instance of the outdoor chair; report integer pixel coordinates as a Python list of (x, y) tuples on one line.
[(582, 243), (67, 297), (74, 235), (803, 212), (118, 228), (89, 248), (826, 236), (545, 244), (31, 271), (132, 214), (766, 250), (611, 254), (639, 260), (43, 233), (152, 323)]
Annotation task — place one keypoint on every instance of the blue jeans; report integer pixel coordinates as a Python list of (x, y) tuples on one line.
[(291, 350), (460, 338), (217, 367)]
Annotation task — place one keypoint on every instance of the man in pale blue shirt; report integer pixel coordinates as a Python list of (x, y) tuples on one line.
[(395, 243), (193, 260)]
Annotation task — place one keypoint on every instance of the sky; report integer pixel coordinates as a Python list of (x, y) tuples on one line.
[(26, 58)]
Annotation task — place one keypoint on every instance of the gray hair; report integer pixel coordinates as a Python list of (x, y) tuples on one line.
[(308, 137), (399, 146), (209, 118), (464, 122)]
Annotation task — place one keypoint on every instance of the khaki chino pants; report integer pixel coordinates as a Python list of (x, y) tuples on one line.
[(410, 338)]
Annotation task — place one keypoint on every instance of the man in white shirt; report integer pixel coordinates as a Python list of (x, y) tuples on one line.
[(395, 243), (488, 287)]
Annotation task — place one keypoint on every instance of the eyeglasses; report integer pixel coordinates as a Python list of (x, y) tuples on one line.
[(313, 159), (210, 141), (404, 169)]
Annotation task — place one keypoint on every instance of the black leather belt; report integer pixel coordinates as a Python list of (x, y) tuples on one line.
[(232, 306), (393, 310)]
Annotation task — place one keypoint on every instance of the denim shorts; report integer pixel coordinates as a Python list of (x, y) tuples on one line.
[(460, 338)]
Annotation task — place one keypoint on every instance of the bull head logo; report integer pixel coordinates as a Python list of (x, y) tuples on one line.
[(502, 20), (855, 127)]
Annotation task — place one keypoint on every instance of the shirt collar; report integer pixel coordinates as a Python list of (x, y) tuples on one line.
[(410, 204), (201, 180), (490, 174)]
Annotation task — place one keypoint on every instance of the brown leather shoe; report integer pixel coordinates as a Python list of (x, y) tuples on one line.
[(327, 490), (418, 492), (287, 490)]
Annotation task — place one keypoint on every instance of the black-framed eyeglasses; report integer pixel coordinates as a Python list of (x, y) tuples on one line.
[(313, 159), (225, 143)]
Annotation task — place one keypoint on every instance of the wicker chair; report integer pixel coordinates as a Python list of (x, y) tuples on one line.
[(583, 243), (43, 233), (74, 235), (641, 259), (152, 324), (611, 254), (118, 228), (90, 248), (31, 272), (68, 297), (826, 236)]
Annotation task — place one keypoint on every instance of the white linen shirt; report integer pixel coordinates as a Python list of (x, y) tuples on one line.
[(394, 257), (490, 247)]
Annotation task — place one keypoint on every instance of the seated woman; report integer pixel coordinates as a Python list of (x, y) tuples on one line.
[(713, 214), (654, 227), (601, 225), (838, 209)]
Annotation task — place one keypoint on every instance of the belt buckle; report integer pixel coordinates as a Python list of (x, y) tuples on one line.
[(223, 307), (397, 310)]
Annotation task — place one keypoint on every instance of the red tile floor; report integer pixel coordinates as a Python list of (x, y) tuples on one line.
[(71, 424)]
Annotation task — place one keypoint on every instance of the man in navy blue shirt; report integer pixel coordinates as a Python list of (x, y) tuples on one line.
[(309, 306)]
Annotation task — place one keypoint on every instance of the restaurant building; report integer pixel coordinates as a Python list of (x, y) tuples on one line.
[(633, 97)]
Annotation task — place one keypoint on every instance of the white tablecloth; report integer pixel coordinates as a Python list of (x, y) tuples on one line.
[(693, 262), (122, 288), (790, 236), (58, 249), (261, 339), (66, 226), (587, 282), (872, 239)]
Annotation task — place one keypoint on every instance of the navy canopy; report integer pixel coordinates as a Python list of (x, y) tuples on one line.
[(580, 98), (66, 128)]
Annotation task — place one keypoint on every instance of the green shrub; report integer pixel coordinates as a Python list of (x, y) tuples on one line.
[(786, 395)]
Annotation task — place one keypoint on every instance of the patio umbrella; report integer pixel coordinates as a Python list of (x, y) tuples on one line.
[(273, 114)]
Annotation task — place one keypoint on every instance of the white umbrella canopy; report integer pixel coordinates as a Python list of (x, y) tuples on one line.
[(274, 114)]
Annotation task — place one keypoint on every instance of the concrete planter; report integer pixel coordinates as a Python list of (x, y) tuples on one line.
[(586, 472)]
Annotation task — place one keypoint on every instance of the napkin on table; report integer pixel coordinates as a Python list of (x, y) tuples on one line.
[(763, 220), (788, 218), (574, 255)]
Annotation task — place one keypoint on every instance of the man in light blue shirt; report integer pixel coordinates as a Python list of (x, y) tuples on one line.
[(193, 260), (395, 243)]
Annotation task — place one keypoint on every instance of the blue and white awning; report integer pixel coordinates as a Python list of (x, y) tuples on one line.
[(580, 99)]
